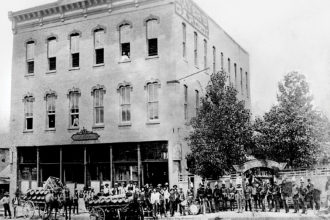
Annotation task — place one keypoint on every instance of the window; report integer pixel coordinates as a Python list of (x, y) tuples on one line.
[(50, 103), (214, 59), (74, 108), (152, 37), (30, 56), (205, 54), (184, 40), (125, 103), (221, 61), (229, 77), (196, 48), (197, 101), (99, 46), (51, 53), (235, 71), (74, 45), (185, 102), (247, 84), (242, 90), (153, 102), (125, 39), (98, 107), (28, 112)]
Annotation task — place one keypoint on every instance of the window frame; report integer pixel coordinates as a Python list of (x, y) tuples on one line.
[(214, 59), (30, 60), (205, 53), (125, 104), (185, 102), (98, 107), (149, 40), (74, 111), (222, 61), (49, 57), (241, 73), (77, 53), (247, 84), (50, 113), (28, 112), (196, 48), (184, 40), (99, 49), (235, 71), (152, 102), (121, 44), (197, 101)]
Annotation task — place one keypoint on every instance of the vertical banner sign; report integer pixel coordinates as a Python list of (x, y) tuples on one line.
[(190, 12)]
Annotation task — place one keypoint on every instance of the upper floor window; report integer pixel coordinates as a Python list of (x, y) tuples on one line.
[(125, 103), (74, 108), (214, 59), (247, 84), (184, 40), (221, 61), (153, 101), (30, 46), (99, 35), (197, 101), (152, 36), (51, 43), (98, 96), (125, 39), (241, 75), (185, 104), (205, 54), (229, 75), (235, 71), (196, 48), (50, 111), (74, 48), (28, 112)]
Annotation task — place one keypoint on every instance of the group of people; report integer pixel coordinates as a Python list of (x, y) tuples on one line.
[(5, 202), (258, 195)]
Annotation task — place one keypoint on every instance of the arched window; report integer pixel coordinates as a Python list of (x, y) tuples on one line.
[(125, 37), (74, 95), (125, 90), (152, 36), (99, 37), (51, 53), (50, 98), (153, 100), (28, 112), (75, 50), (98, 106)]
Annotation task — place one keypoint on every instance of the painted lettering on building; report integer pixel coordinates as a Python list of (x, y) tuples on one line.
[(189, 11)]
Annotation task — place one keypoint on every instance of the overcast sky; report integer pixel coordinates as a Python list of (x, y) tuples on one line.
[(280, 36)]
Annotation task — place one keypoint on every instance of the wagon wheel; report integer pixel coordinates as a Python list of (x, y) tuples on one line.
[(97, 214), (28, 209)]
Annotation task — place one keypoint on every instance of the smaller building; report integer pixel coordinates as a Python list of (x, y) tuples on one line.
[(5, 164)]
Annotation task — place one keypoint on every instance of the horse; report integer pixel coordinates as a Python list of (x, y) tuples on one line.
[(57, 200), (52, 202)]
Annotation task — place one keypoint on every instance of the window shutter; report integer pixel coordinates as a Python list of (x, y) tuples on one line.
[(74, 44), (125, 34), (30, 51), (152, 29), (99, 39), (51, 48)]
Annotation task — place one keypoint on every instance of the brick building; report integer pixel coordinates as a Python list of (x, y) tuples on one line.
[(102, 90)]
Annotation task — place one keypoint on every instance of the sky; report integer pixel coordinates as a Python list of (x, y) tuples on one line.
[(280, 36)]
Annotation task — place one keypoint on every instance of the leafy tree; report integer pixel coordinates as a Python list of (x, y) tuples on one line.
[(221, 130), (292, 130)]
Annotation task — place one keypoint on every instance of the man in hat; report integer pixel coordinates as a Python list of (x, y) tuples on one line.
[(208, 197), (106, 190), (224, 196), (248, 196), (200, 196), (231, 196), (310, 194), (172, 198), (295, 193), (262, 196), (5, 202), (166, 197), (286, 192), (216, 196), (302, 194), (269, 196), (276, 196), (182, 201), (239, 196)]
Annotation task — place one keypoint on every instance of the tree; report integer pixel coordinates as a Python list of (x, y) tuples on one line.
[(221, 130), (292, 130)]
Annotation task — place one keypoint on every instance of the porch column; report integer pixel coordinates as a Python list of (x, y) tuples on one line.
[(38, 167), (85, 166), (111, 168), (139, 165), (61, 165)]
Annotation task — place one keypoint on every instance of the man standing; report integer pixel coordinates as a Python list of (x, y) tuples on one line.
[(248, 195), (5, 202), (232, 192), (270, 196), (208, 198), (302, 194), (172, 202), (182, 201), (295, 192), (276, 196), (224, 196), (200, 196), (239, 198), (216, 196), (310, 194), (286, 191), (255, 195), (262, 196)]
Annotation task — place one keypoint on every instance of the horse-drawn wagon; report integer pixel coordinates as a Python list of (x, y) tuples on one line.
[(114, 207), (37, 199)]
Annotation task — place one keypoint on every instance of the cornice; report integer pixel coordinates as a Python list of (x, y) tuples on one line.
[(63, 10)]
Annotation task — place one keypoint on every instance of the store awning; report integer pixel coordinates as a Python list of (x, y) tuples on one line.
[(259, 163), (5, 173)]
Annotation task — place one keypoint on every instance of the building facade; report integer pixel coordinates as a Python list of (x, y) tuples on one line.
[(102, 90)]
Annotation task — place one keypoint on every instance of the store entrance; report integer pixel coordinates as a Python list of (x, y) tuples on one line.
[(155, 173)]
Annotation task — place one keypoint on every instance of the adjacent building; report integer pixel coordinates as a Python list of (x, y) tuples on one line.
[(102, 90)]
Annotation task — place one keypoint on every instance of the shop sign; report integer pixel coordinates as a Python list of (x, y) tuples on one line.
[(259, 163), (85, 135), (190, 12)]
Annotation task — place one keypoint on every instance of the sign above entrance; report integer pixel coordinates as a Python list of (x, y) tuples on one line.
[(259, 163), (85, 135)]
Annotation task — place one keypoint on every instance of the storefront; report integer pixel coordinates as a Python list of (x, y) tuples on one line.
[(94, 164)]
